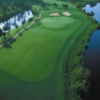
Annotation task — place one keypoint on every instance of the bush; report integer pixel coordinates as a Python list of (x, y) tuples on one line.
[(30, 19), (65, 5)]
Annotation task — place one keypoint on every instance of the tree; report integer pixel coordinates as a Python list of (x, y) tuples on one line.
[(16, 26), (30, 19), (4, 35), (55, 5), (42, 4), (1, 34), (7, 28), (65, 5), (98, 27), (92, 13), (23, 22)]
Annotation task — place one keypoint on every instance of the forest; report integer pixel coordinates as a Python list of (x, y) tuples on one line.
[(9, 8)]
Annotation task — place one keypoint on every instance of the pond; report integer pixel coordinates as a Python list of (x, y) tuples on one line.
[(95, 9), (92, 57), (17, 20)]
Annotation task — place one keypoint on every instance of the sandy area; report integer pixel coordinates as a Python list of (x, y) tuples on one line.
[(66, 14), (54, 14)]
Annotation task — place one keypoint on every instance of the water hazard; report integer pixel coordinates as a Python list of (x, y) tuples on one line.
[(17, 20), (92, 57)]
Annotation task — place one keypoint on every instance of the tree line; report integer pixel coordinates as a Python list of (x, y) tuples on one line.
[(82, 3), (9, 8)]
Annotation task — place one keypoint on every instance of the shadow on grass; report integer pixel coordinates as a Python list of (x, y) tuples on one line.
[(13, 40), (26, 29), (7, 46), (2, 94), (20, 34)]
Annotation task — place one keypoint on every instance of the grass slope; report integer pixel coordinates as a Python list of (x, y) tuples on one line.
[(34, 60)]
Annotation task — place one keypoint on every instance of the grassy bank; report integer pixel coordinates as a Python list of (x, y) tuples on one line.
[(76, 76), (17, 30)]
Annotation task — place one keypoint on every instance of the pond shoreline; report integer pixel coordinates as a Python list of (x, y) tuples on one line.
[(92, 55), (17, 20), (23, 28), (75, 62)]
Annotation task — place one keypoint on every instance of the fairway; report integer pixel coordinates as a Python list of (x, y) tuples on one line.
[(38, 52), (31, 66), (56, 22)]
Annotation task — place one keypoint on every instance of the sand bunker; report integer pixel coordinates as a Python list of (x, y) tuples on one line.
[(54, 14), (66, 14)]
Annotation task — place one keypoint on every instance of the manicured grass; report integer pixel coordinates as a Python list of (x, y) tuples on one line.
[(34, 60), (56, 22), (36, 52), (33, 46)]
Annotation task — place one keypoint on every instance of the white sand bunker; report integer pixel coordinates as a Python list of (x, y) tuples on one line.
[(66, 14), (54, 14)]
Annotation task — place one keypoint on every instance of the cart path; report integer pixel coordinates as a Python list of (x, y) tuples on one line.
[(17, 34)]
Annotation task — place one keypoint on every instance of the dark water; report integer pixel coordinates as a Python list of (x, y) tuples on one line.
[(92, 57)]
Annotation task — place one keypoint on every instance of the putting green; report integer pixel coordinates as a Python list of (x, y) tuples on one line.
[(56, 22)]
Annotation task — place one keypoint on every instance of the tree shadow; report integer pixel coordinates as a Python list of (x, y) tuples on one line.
[(7, 46), (9, 43), (13, 40), (2, 94), (26, 29), (20, 34)]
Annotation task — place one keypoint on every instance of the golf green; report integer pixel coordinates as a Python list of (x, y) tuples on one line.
[(56, 22)]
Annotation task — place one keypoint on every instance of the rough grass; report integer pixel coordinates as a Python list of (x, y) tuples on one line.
[(34, 60), (56, 22)]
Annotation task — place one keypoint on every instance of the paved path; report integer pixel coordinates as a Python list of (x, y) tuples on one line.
[(17, 34)]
